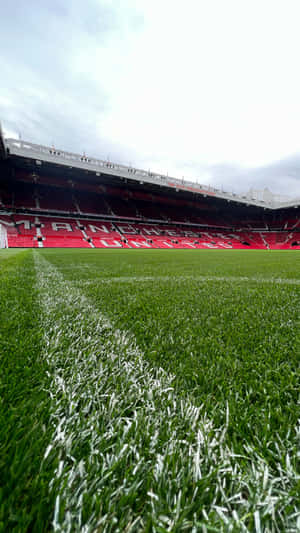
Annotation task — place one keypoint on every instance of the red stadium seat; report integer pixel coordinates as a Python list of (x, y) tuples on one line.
[(50, 211)]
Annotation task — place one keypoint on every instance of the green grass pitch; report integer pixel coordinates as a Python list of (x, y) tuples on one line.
[(149, 391)]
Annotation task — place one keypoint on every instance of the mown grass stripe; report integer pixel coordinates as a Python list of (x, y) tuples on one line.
[(131, 453), (24, 407), (8, 253)]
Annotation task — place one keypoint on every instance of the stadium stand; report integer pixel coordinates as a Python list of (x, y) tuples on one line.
[(53, 231), (52, 205)]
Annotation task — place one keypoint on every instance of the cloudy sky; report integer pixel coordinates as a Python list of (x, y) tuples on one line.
[(205, 89)]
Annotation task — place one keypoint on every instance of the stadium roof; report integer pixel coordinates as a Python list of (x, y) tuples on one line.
[(44, 154)]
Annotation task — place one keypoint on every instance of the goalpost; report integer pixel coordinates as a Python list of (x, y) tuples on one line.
[(3, 237)]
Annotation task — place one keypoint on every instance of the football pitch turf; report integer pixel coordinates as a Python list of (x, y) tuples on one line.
[(149, 390)]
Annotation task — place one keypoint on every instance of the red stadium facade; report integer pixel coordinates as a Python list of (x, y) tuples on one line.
[(50, 198)]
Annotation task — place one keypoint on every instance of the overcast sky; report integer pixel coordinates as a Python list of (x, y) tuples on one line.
[(205, 89)]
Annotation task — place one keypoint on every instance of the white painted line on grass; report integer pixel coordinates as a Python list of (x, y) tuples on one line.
[(116, 420), (200, 279)]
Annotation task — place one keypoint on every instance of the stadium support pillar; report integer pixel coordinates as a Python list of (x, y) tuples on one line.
[(3, 237)]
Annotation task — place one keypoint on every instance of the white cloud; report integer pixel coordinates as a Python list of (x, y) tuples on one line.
[(202, 89)]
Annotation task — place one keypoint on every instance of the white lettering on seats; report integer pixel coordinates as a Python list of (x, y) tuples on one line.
[(222, 236), (111, 244), (127, 229), (102, 229), (190, 234), (27, 223), (172, 233), (140, 244), (56, 226), (208, 245), (150, 231), (187, 243)]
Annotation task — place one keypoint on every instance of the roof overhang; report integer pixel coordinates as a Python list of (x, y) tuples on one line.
[(40, 155)]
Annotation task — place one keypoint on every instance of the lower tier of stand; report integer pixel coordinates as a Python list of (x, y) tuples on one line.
[(24, 230)]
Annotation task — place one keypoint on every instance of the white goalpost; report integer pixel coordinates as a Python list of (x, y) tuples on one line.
[(3, 237)]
